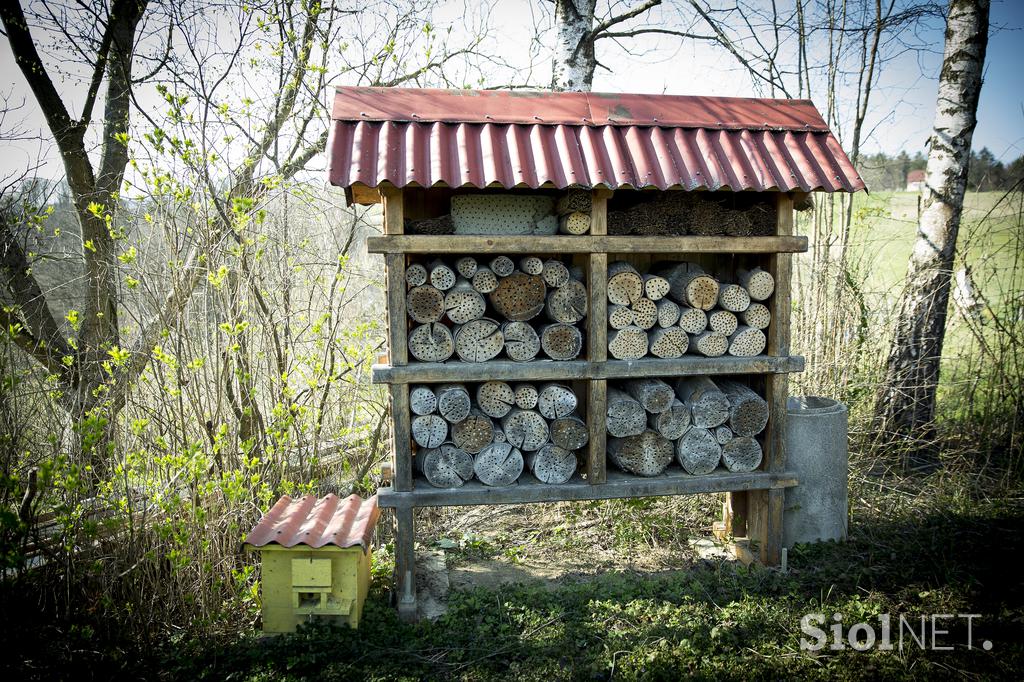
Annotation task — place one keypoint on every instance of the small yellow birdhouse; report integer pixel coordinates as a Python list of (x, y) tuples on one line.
[(316, 559)]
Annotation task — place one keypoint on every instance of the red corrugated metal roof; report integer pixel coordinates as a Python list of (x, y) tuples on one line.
[(467, 138), (317, 522)]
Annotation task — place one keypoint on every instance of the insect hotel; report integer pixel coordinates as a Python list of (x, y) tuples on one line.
[(588, 295)]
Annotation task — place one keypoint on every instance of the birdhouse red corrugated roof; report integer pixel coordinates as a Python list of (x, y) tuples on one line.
[(317, 522)]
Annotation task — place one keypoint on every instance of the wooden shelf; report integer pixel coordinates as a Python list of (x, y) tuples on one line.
[(619, 485), (447, 244), (549, 370)]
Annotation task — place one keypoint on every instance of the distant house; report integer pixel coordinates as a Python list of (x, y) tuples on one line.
[(915, 181)]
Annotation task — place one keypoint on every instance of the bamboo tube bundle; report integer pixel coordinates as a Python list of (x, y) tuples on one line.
[(628, 343), (575, 200), (645, 454), (698, 451), (526, 396), (709, 344), (655, 288), (453, 402), (484, 280), (473, 433), (723, 434), (519, 297), (531, 265), (620, 316), (422, 400), (748, 412), (668, 343), (425, 304), (654, 394), (446, 466), (645, 313), (498, 464), (555, 274), (733, 297), (709, 406), (759, 283), (567, 304), (668, 313), (441, 276), (555, 401), (561, 341), (478, 340), (690, 285), (692, 320), (742, 454), (441, 225), (552, 464), (722, 321), (495, 398), (568, 432), (502, 266), (431, 342), (521, 341), (463, 303), (746, 342), (626, 416), (466, 266), (625, 285), (429, 430), (757, 316), (525, 429), (415, 275), (673, 422), (574, 223)]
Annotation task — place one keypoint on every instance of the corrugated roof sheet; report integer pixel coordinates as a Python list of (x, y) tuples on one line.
[(467, 138), (317, 522)]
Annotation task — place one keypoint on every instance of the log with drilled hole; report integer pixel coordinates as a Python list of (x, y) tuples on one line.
[(552, 464), (555, 274), (446, 466), (741, 454), (519, 297), (620, 316), (525, 429), (422, 400), (655, 287), (722, 321), (466, 266), (567, 304), (709, 406), (626, 416), (431, 342), (575, 200), (429, 430), (484, 280), (673, 422), (495, 398), (502, 266), (723, 434), (644, 454), (521, 341), (709, 344), (628, 343), (625, 285), (668, 343), (654, 394), (757, 316), (759, 283), (645, 313), (690, 285), (498, 464), (463, 303), (473, 433), (441, 276), (568, 432), (416, 275), (668, 313), (698, 451), (531, 265), (561, 341), (574, 223), (748, 412), (425, 304), (453, 402), (733, 297), (526, 396), (747, 341), (692, 320), (478, 340), (556, 400)]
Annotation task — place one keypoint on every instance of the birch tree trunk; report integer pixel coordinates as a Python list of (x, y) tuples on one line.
[(906, 403), (574, 61)]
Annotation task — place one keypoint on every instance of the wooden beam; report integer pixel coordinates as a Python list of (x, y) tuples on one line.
[(592, 243)]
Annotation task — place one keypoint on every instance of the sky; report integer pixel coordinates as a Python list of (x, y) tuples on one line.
[(900, 119)]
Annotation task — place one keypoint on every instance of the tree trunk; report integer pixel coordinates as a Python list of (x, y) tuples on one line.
[(575, 61), (906, 402)]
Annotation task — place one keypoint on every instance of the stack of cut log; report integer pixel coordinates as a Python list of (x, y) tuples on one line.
[(490, 305), (700, 422), (680, 213), (490, 431), (679, 308)]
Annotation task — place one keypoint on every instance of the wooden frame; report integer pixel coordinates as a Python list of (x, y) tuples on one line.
[(754, 501)]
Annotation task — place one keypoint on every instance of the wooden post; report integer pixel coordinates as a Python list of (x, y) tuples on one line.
[(597, 340), (405, 562), (398, 341)]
